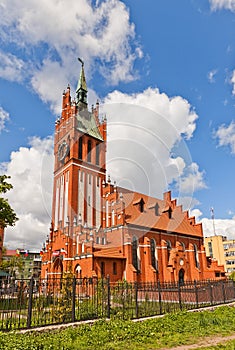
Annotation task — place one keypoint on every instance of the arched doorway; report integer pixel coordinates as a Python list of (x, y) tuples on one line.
[(78, 271), (58, 267), (57, 274), (181, 277)]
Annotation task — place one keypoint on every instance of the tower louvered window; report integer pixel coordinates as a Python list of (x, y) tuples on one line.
[(80, 144), (97, 154), (89, 151)]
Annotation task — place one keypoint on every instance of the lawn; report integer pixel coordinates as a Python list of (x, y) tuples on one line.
[(169, 331)]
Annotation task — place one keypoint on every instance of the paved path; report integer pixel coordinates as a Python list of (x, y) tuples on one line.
[(205, 342)]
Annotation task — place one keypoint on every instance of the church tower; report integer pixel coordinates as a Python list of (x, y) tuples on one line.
[(99, 228), (79, 151)]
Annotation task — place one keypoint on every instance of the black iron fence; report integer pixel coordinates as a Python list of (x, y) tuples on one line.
[(30, 303)]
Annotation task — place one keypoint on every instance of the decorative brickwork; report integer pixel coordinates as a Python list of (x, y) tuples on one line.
[(101, 229)]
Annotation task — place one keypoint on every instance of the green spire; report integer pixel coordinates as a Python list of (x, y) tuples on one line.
[(81, 90)]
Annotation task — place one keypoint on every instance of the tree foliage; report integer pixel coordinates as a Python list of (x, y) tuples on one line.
[(7, 215), (232, 276), (16, 263)]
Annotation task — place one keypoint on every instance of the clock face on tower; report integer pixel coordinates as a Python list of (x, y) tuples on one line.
[(63, 151)]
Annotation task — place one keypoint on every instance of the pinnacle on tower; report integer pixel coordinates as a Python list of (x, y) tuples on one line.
[(81, 91)]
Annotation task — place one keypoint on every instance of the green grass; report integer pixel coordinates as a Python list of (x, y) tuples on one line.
[(169, 331)]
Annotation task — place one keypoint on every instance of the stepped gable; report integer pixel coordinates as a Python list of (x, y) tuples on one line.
[(160, 214)]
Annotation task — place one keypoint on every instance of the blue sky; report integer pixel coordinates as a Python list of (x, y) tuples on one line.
[(176, 59)]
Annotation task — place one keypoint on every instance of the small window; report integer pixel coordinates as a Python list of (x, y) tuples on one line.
[(156, 209), (97, 240), (89, 179), (98, 181), (81, 176), (141, 204), (170, 213), (89, 151), (114, 268), (210, 249), (103, 240)]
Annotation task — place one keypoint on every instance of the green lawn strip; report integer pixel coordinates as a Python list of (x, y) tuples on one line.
[(169, 331)]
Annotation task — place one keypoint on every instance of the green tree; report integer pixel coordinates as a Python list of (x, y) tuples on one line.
[(15, 264), (232, 276), (7, 215)]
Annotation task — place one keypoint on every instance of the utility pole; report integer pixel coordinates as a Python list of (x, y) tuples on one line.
[(213, 220)]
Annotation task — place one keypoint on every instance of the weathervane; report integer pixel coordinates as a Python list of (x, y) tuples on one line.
[(80, 60)]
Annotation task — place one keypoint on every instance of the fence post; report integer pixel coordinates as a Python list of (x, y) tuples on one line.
[(30, 303), (136, 300), (211, 292), (108, 297), (159, 297), (196, 292), (73, 299), (179, 295)]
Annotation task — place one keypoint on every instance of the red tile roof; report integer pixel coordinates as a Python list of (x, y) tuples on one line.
[(179, 221)]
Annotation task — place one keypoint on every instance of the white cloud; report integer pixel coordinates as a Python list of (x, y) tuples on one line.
[(224, 227), (188, 203), (226, 136), (4, 117), (211, 75), (11, 67), (222, 4), (196, 213), (233, 82), (143, 131), (31, 172), (58, 32), (176, 110), (192, 179), (140, 145)]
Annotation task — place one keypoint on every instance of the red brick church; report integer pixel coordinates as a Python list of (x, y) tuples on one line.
[(100, 229)]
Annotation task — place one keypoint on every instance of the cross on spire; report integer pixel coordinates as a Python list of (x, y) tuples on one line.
[(81, 91)]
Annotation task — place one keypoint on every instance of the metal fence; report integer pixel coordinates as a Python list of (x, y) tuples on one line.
[(30, 303)]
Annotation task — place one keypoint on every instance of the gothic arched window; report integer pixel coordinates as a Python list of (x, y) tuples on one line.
[(168, 247), (153, 252), (182, 246), (135, 253), (196, 258)]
